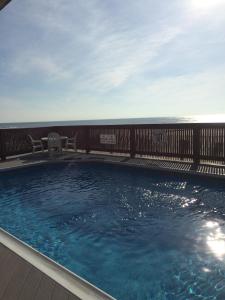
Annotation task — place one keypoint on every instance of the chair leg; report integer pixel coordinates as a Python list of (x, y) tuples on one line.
[(50, 151)]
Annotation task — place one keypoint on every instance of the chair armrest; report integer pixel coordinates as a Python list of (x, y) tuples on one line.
[(37, 142), (71, 139)]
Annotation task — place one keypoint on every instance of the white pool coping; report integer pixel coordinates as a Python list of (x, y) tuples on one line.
[(67, 279)]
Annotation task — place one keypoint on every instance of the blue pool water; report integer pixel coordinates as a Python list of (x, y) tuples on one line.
[(136, 234)]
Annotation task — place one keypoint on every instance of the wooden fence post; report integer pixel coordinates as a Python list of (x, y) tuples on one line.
[(132, 142), (196, 144), (223, 144), (2, 146), (87, 139)]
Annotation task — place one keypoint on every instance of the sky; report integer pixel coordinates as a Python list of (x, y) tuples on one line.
[(99, 59)]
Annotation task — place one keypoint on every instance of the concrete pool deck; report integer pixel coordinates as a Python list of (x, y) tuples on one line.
[(26, 274)]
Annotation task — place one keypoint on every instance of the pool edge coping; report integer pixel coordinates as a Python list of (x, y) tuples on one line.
[(108, 159), (121, 163), (75, 284)]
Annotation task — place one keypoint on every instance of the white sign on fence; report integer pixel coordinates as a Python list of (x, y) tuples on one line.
[(108, 139)]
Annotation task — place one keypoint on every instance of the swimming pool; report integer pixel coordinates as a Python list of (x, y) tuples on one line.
[(135, 233)]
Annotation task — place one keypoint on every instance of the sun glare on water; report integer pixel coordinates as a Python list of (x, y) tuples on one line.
[(216, 118), (215, 239)]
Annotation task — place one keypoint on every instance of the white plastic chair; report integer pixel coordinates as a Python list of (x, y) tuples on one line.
[(54, 143), (36, 144), (72, 142)]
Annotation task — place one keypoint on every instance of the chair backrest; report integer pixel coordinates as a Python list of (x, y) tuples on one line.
[(54, 139), (75, 136), (31, 139)]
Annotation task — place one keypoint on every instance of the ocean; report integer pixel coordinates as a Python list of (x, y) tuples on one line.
[(152, 120)]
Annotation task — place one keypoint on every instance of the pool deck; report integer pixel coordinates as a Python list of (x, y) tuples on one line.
[(26, 274)]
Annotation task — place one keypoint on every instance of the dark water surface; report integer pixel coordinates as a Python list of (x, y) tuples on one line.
[(136, 234)]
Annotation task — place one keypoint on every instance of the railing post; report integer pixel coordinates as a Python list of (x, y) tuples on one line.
[(87, 139), (2, 146), (132, 142), (196, 144), (224, 145)]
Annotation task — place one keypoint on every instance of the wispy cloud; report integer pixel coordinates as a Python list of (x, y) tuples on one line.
[(121, 56), (39, 64), (101, 52), (104, 57), (190, 94)]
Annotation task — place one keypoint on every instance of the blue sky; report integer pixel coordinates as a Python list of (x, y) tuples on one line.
[(98, 59)]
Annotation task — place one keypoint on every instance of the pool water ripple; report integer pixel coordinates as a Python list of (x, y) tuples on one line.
[(134, 233)]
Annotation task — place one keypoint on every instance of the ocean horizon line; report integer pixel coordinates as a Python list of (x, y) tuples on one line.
[(119, 121)]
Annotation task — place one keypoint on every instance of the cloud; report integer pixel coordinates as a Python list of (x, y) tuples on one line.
[(205, 7), (109, 54), (12, 109), (41, 64), (197, 93), (120, 56), (201, 93)]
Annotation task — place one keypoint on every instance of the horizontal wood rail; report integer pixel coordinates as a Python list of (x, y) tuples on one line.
[(191, 141)]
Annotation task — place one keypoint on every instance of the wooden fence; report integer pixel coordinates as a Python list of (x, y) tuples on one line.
[(193, 142)]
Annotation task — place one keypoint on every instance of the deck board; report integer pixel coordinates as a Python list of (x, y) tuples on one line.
[(7, 269), (19, 280), (45, 289), (72, 297), (59, 293), (3, 254), (30, 286)]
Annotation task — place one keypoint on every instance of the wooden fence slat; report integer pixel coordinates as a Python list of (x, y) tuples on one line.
[(196, 144), (132, 142), (2, 146)]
